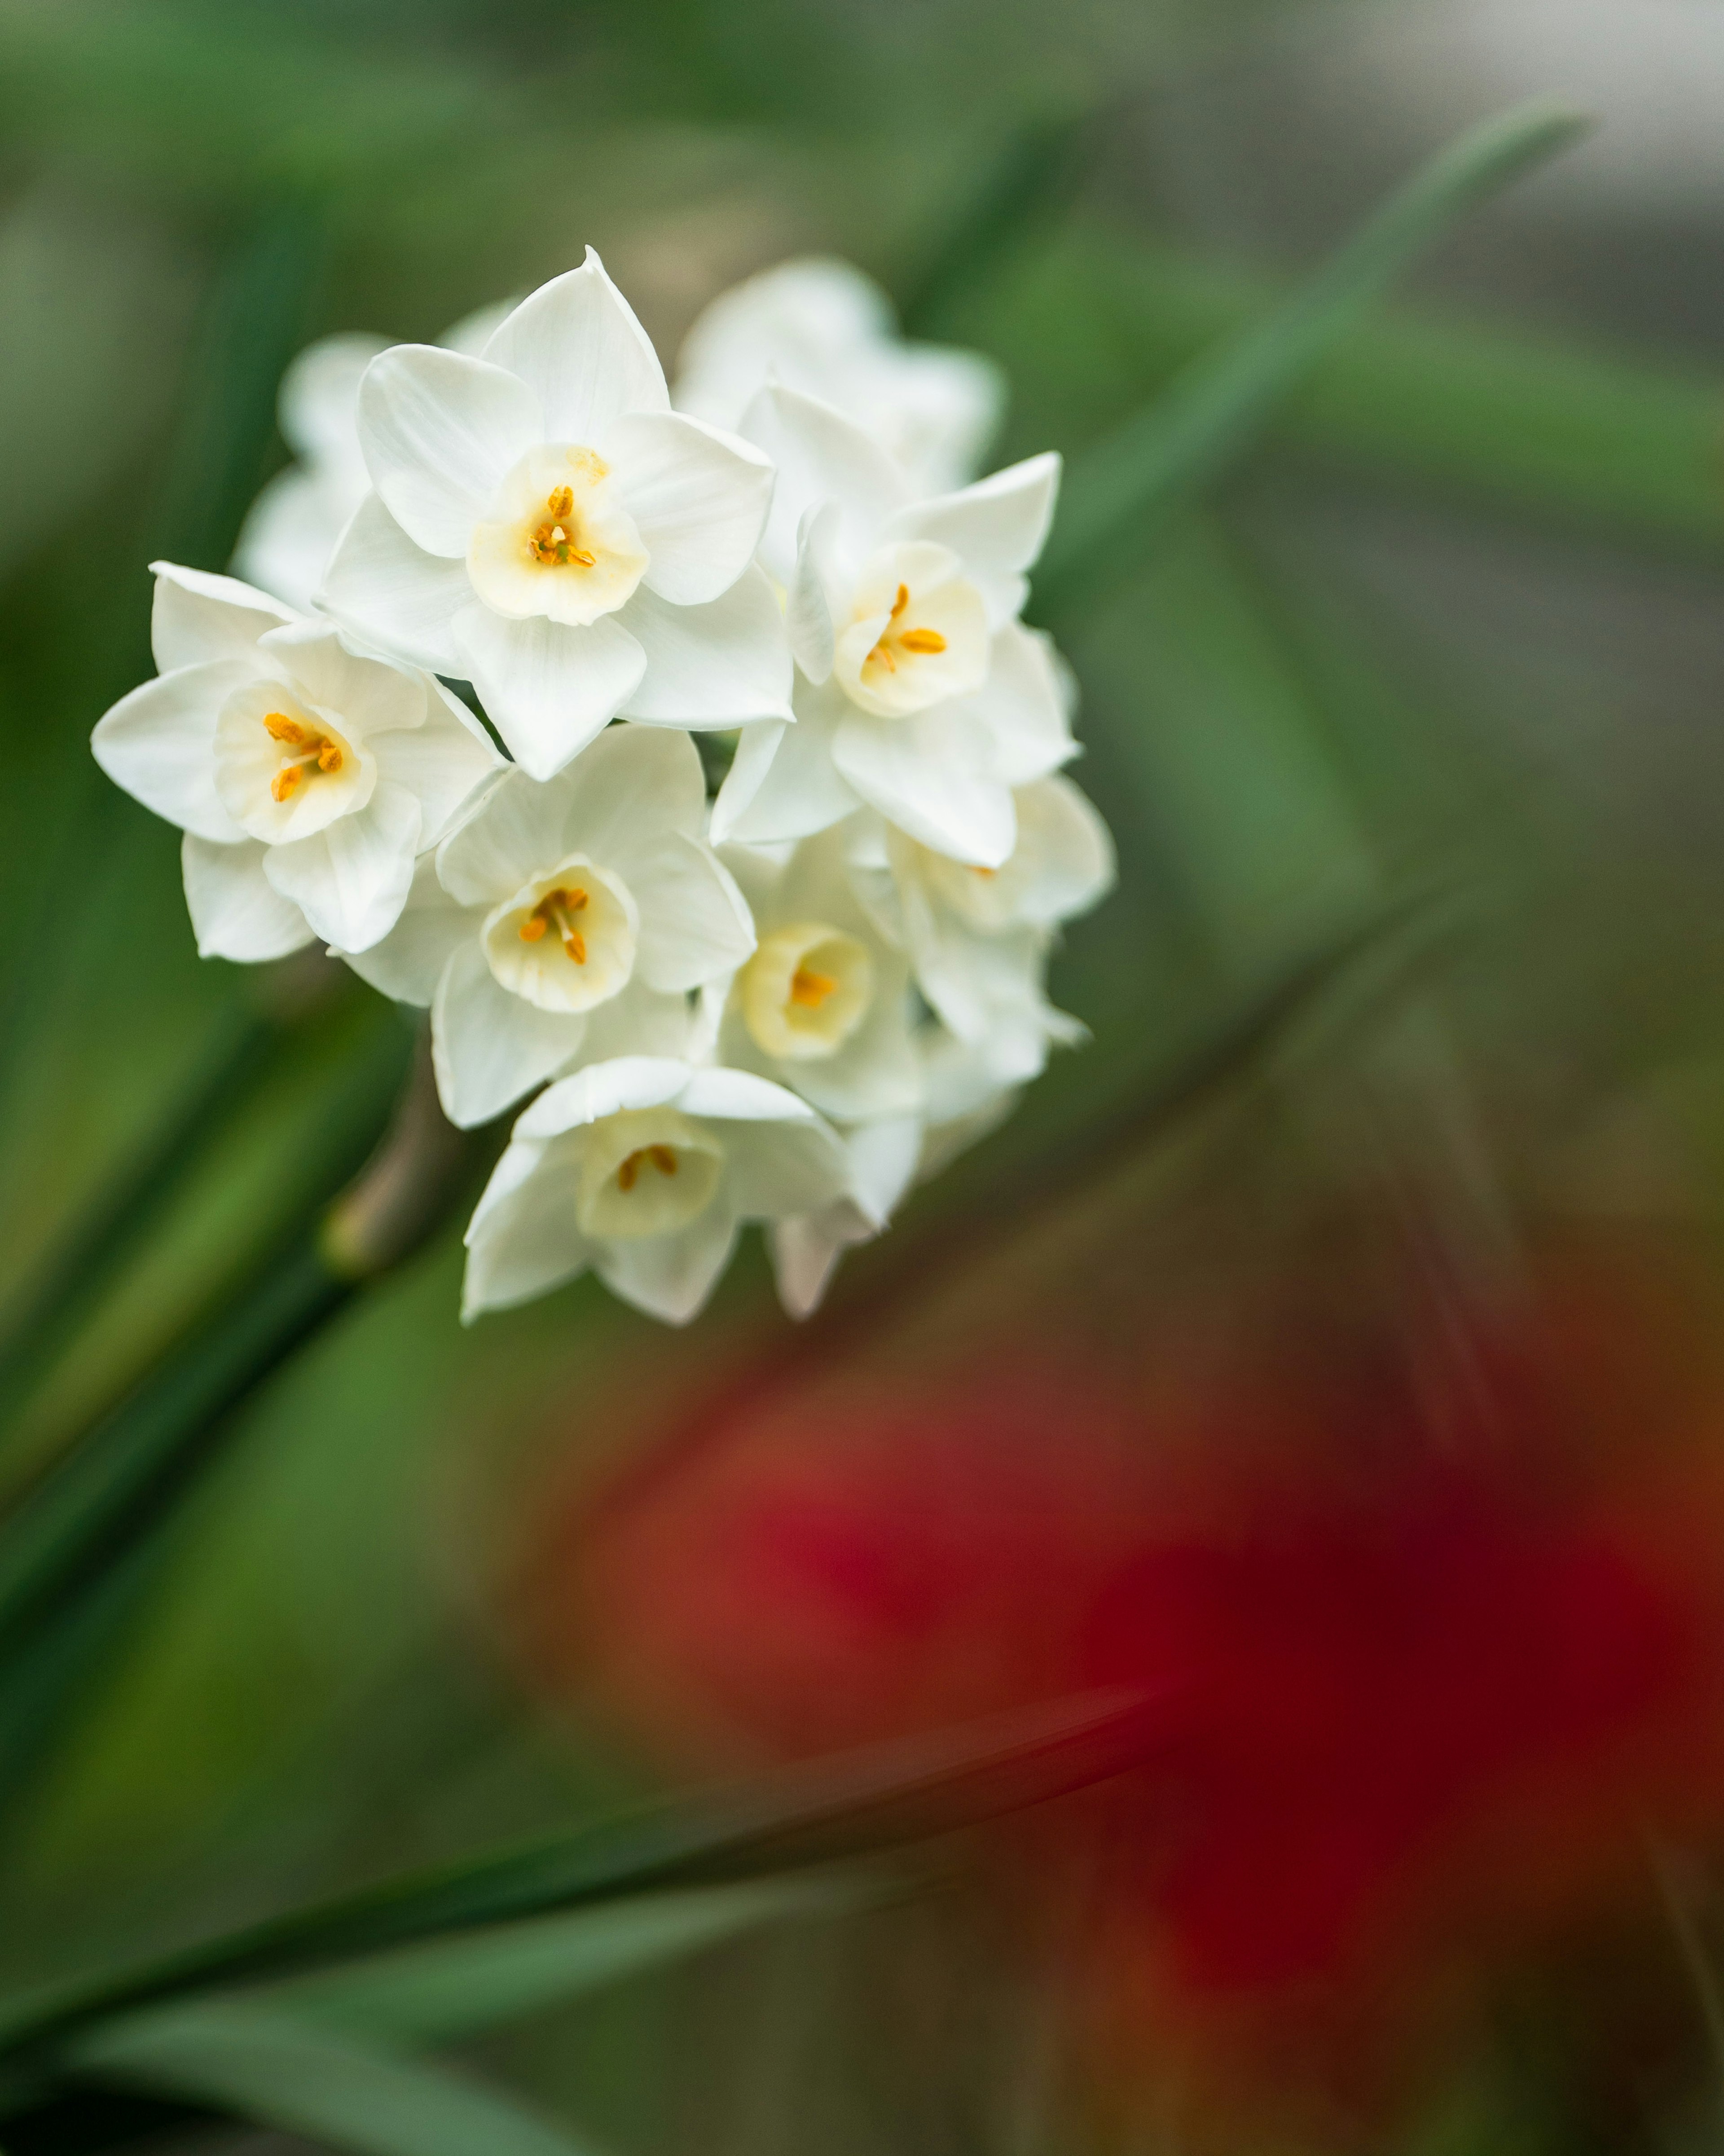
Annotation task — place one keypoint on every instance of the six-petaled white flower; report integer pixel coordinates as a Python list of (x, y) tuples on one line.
[(919, 691), (567, 919), (644, 1169), (545, 526), (306, 774), (823, 1006), (822, 328), (291, 529)]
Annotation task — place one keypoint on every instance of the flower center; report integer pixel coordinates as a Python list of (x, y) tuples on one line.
[(646, 1172), (896, 640), (661, 1156), (311, 752), (559, 906), (553, 545), (918, 632), (557, 541), (806, 990), (565, 941)]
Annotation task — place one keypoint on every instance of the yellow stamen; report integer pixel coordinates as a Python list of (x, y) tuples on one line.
[(279, 727), (316, 749), (901, 601), (286, 780), (556, 906), (662, 1157), (922, 639), (550, 544), (562, 502), (810, 989)]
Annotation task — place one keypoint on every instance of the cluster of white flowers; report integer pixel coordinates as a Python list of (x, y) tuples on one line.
[(783, 1004)]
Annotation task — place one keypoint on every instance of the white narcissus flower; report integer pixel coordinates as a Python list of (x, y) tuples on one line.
[(644, 1169), (566, 918), (545, 526), (291, 529), (978, 939), (821, 327), (305, 773), (823, 1005), (919, 692)]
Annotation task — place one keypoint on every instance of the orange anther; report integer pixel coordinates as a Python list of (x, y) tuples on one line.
[(664, 1158), (279, 727), (922, 639), (576, 945), (285, 782), (627, 1172), (562, 502), (329, 756), (901, 601), (532, 928), (810, 989)]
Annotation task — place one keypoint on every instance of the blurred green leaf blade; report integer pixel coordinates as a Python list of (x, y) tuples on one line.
[(268, 2066), (1121, 491)]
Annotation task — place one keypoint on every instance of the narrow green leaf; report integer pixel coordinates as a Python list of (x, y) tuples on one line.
[(264, 2065), (1120, 492), (829, 1810), (446, 1990)]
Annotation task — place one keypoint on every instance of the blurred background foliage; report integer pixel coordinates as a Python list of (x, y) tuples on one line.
[(1450, 637)]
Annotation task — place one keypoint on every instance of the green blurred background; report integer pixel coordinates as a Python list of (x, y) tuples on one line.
[(1453, 631)]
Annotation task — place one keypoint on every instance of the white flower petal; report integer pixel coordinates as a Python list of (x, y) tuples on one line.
[(158, 743), (439, 430), (783, 783), (699, 499), (694, 923), (820, 457), (807, 614), (196, 618), (406, 964), (291, 531), (576, 343), (805, 1251), (883, 1157), (236, 912), (317, 405), (922, 774), (351, 879), (774, 1170), (638, 1022), (627, 1082), (523, 1239), (1023, 706), (368, 695), (445, 762), (996, 527), (727, 664), (395, 593), (547, 688), (489, 1047), (635, 786), (741, 1097), (517, 831), (670, 1277)]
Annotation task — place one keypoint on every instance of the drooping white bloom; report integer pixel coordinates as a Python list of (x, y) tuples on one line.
[(821, 327), (978, 939), (823, 1006), (546, 526), (306, 774), (291, 529), (566, 918), (919, 692), (644, 1169)]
